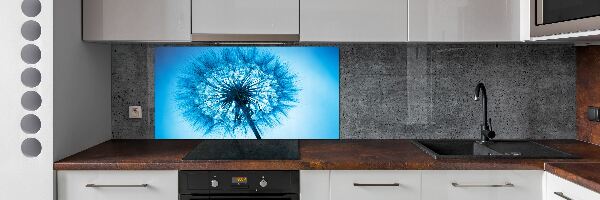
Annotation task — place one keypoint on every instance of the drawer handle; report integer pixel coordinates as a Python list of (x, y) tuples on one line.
[(493, 185), (115, 186), (376, 184), (560, 194)]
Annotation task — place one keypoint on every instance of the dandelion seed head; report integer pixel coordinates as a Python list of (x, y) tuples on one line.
[(215, 87)]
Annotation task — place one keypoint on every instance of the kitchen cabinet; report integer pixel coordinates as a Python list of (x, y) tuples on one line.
[(117, 185), (482, 184), (354, 20), (560, 189), (314, 184), (468, 20), (245, 20), (309, 21), (374, 184), (136, 20)]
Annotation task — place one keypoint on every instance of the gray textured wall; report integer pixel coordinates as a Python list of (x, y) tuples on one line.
[(410, 90)]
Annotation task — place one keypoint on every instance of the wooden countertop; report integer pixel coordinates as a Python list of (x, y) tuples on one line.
[(315, 154), (331, 155), (584, 174)]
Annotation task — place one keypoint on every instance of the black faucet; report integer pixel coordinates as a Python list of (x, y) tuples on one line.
[(486, 129)]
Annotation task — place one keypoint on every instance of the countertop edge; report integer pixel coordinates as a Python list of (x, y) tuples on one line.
[(572, 176)]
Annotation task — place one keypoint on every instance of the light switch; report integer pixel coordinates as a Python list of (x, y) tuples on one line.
[(135, 112)]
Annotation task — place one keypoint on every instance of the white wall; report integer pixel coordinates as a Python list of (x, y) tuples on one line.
[(82, 96)]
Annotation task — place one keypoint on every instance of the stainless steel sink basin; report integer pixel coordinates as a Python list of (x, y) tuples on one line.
[(496, 149)]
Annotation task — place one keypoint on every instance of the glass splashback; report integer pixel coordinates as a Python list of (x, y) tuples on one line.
[(246, 92)]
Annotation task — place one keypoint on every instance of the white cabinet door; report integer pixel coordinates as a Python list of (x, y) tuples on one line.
[(117, 185), (560, 189), (314, 185), (354, 20), (468, 20), (136, 20), (245, 17), (375, 185), (482, 185)]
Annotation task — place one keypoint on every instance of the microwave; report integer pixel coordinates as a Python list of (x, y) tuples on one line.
[(554, 17)]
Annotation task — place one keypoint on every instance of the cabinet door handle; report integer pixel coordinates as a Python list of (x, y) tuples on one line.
[(491, 185), (561, 195), (376, 184), (115, 186)]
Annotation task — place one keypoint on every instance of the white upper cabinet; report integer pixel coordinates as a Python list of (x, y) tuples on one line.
[(307, 21), (354, 20), (136, 20), (468, 20), (245, 20)]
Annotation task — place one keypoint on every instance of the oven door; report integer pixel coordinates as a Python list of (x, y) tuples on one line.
[(552, 17), (240, 197)]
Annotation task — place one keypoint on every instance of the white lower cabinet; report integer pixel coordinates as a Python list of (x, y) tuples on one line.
[(341, 185), (482, 185), (375, 185), (560, 189), (117, 185), (421, 185), (314, 184)]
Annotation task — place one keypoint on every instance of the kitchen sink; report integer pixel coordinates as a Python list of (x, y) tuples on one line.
[(440, 149)]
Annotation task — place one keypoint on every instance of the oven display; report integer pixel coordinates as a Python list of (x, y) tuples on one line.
[(239, 180)]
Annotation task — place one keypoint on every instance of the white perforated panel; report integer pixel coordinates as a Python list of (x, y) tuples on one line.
[(26, 103)]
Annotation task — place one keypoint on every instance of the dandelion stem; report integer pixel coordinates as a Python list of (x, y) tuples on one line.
[(246, 111)]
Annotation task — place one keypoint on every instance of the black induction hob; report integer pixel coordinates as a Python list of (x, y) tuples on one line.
[(245, 150)]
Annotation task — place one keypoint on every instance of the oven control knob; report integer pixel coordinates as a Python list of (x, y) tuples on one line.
[(263, 183), (214, 183)]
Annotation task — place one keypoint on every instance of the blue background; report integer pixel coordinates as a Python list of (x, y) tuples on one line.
[(315, 116)]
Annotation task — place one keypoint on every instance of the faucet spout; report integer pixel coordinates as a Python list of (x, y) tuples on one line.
[(483, 97), (480, 94)]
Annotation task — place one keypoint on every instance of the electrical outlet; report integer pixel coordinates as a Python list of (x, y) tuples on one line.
[(135, 112), (593, 114)]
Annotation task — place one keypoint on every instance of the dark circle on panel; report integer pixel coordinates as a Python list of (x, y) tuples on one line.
[(31, 77), (31, 54), (31, 8), (31, 100), (31, 147), (31, 30), (31, 124)]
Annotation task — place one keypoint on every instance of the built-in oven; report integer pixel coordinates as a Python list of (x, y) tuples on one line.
[(240, 197), (552, 17), (237, 185)]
